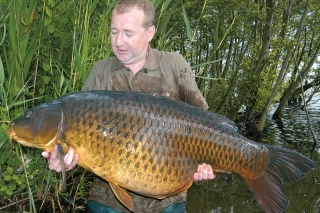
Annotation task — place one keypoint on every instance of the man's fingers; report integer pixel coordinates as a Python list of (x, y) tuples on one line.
[(200, 169), (45, 154), (54, 153), (74, 162), (198, 176), (211, 175), (204, 172), (69, 157), (195, 177), (54, 165), (76, 157)]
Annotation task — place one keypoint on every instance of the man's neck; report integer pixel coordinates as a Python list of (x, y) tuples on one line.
[(137, 66)]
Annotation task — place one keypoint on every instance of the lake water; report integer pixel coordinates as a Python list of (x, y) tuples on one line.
[(230, 194)]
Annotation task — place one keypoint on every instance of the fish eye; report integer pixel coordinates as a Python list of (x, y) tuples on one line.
[(28, 114)]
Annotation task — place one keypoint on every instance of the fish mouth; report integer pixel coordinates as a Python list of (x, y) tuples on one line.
[(13, 136), (11, 133)]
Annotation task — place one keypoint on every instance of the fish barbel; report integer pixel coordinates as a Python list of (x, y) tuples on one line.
[(153, 146)]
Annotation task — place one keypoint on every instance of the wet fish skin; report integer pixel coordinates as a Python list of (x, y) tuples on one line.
[(153, 146)]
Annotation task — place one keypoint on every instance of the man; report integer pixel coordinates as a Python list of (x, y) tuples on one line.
[(139, 68)]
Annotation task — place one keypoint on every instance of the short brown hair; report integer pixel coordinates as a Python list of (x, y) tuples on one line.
[(123, 6)]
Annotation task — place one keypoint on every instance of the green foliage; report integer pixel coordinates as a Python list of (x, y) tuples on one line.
[(47, 50), (164, 12), (13, 179)]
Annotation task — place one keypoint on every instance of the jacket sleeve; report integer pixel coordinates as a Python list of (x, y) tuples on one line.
[(98, 78), (91, 82)]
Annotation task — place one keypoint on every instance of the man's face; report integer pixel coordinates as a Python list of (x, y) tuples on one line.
[(129, 39)]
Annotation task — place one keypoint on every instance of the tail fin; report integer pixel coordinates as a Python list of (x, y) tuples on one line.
[(284, 165)]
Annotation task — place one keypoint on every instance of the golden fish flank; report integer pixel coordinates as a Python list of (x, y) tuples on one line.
[(152, 146)]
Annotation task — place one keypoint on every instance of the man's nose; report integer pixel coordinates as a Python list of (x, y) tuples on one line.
[(119, 39)]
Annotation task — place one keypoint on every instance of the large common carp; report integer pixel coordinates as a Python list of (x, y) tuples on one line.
[(152, 146)]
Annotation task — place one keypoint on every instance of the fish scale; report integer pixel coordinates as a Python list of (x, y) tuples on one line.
[(153, 146)]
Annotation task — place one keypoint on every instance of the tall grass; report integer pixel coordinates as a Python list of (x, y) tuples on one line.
[(17, 50), (44, 56)]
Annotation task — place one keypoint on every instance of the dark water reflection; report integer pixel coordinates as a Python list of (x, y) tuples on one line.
[(230, 194)]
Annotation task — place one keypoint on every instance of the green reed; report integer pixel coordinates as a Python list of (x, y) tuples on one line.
[(41, 59)]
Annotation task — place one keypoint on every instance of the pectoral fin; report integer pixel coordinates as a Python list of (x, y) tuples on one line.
[(122, 195), (63, 168)]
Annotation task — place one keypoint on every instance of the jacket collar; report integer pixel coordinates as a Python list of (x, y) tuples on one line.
[(152, 62)]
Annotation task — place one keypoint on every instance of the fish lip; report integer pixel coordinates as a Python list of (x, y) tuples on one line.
[(13, 136), (11, 133), (9, 128)]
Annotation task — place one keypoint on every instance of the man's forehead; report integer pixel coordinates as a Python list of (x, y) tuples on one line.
[(130, 20)]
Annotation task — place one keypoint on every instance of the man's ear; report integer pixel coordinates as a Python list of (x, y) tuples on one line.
[(152, 32)]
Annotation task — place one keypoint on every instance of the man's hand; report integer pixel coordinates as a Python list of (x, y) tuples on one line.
[(204, 173), (70, 159)]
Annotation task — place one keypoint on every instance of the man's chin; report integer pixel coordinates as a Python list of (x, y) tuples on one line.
[(125, 60)]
